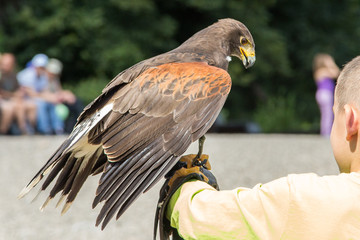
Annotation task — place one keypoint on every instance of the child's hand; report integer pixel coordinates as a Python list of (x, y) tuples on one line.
[(188, 168), (185, 170)]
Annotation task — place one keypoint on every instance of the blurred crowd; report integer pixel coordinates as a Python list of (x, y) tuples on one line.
[(32, 101)]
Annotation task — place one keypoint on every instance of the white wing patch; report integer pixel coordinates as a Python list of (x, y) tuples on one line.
[(79, 145), (86, 125)]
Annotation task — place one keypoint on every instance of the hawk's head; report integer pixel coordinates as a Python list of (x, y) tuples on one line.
[(219, 41), (241, 43)]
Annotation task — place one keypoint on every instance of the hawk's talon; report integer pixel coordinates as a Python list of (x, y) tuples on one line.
[(198, 162), (198, 156)]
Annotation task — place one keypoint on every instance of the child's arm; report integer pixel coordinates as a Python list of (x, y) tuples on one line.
[(201, 212)]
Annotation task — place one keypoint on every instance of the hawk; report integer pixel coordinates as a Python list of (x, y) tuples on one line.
[(145, 119)]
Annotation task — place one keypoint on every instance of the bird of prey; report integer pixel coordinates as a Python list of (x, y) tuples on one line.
[(145, 119)]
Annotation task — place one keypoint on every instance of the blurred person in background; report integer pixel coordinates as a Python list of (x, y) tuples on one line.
[(325, 73), (15, 109), (68, 105), (6, 112), (34, 79)]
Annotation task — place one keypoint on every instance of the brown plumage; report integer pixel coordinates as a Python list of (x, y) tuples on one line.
[(145, 119)]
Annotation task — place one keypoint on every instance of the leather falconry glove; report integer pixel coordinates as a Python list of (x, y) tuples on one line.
[(189, 167)]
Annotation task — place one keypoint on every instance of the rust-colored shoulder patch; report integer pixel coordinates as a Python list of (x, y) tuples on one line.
[(194, 80)]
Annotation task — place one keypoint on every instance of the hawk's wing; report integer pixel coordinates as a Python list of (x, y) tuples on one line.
[(138, 134)]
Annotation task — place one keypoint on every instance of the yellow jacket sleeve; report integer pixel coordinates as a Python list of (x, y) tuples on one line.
[(299, 206), (201, 212)]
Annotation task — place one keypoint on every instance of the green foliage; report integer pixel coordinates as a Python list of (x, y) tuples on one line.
[(88, 89), (98, 39), (280, 114)]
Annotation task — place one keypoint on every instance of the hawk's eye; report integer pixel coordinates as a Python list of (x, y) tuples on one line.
[(243, 40)]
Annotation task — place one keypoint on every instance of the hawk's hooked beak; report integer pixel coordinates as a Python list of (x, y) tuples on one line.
[(247, 55)]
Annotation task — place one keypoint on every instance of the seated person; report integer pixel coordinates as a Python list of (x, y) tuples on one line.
[(34, 80), (64, 98), (14, 105), (299, 206), (6, 115)]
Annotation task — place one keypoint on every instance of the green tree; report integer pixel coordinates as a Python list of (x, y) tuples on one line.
[(98, 39)]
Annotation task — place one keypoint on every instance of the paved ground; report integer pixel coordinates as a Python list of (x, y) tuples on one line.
[(237, 160)]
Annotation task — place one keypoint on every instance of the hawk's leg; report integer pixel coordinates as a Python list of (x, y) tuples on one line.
[(197, 159)]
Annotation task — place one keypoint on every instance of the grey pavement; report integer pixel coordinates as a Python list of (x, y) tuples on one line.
[(237, 160)]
